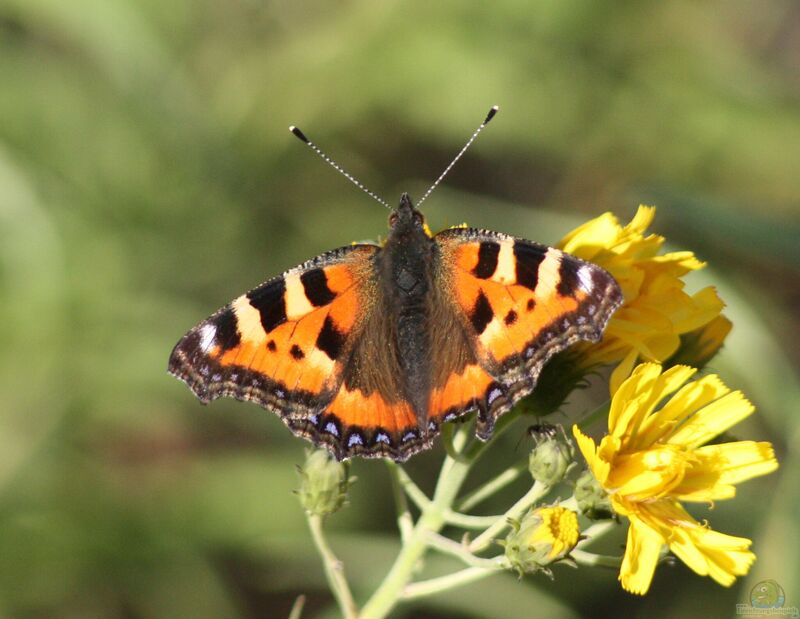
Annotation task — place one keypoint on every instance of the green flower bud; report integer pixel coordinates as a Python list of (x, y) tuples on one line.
[(593, 502), (324, 483), (552, 457), (544, 536), (698, 347)]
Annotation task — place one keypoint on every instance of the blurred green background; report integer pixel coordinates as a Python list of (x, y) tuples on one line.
[(147, 177)]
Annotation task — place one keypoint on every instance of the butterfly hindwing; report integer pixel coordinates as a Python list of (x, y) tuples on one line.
[(519, 304)]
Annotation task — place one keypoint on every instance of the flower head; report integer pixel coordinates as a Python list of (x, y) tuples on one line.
[(545, 535), (593, 501), (552, 456), (652, 460), (324, 483), (656, 310)]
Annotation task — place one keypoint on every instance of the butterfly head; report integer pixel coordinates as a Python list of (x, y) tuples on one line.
[(405, 220)]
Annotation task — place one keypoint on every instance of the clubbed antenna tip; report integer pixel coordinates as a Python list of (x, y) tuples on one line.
[(299, 134), (489, 117), (302, 136)]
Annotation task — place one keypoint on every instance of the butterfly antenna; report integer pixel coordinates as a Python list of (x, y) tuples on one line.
[(302, 136), (489, 117)]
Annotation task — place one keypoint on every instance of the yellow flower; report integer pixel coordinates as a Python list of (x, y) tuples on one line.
[(545, 535), (651, 460), (656, 310)]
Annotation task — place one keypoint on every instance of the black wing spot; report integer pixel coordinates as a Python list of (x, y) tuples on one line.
[(270, 301), (227, 329), (530, 305), (487, 259), (297, 352), (482, 313), (272, 346), (511, 317), (568, 281), (528, 259), (330, 340), (315, 285)]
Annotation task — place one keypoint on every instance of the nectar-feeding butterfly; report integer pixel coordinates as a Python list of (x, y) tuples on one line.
[(368, 349)]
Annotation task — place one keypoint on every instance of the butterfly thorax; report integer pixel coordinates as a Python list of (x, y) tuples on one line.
[(406, 272)]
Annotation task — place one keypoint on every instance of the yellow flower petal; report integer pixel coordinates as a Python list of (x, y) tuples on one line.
[(622, 371), (710, 553), (624, 415), (684, 261), (683, 404), (648, 474), (701, 309), (642, 551), (716, 468), (741, 460), (559, 529), (642, 219), (633, 403), (587, 446), (712, 420), (593, 236)]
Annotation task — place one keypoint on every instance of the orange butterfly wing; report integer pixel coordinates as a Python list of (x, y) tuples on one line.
[(519, 304), (310, 346)]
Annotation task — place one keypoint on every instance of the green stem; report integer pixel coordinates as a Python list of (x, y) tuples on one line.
[(466, 521), (297, 607), (443, 583), (570, 503), (483, 492), (515, 511), (590, 559), (333, 569), (454, 549), (431, 519), (417, 496), (596, 530), (404, 521)]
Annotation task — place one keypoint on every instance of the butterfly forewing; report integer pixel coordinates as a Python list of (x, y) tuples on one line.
[(313, 346), (519, 303)]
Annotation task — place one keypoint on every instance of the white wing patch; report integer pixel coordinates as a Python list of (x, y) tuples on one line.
[(208, 334)]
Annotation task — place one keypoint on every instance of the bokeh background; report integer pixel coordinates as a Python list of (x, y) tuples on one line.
[(147, 177)]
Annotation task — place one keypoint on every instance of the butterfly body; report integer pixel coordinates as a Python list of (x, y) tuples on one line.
[(368, 349), (406, 267)]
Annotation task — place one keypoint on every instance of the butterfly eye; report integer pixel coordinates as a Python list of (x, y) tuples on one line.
[(392, 219), (418, 218)]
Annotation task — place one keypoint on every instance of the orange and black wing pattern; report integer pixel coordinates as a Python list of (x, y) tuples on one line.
[(310, 346), (519, 303)]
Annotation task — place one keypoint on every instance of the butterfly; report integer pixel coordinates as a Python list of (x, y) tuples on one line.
[(367, 349)]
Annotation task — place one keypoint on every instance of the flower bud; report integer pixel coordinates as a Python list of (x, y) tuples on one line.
[(552, 456), (543, 536), (698, 347), (593, 502), (324, 483)]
